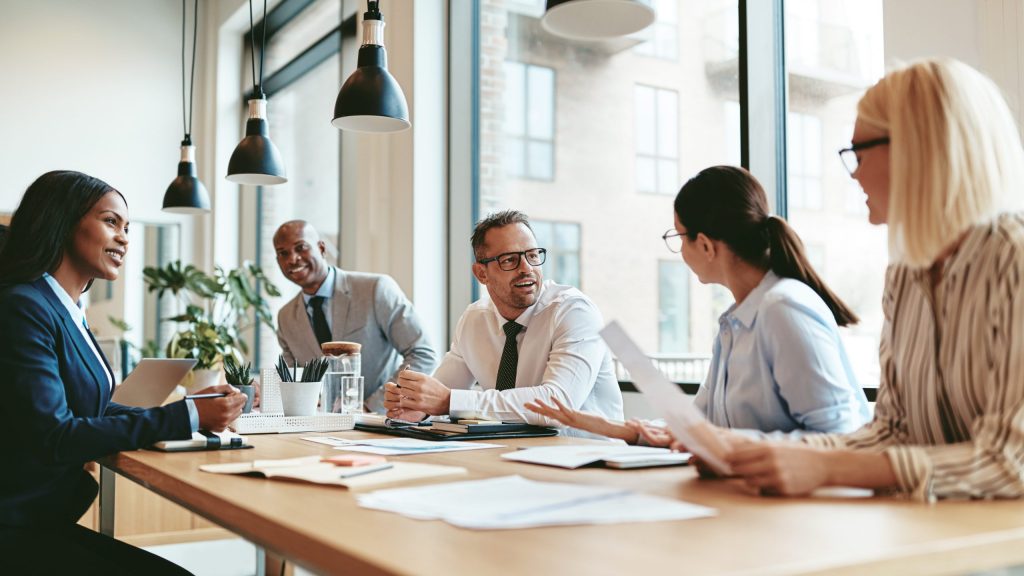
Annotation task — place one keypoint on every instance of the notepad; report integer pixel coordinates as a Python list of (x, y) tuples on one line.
[(312, 469), (614, 456)]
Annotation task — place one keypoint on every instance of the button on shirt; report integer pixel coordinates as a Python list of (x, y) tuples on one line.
[(561, 355), (326, 290), (778, 364), (78, 317)]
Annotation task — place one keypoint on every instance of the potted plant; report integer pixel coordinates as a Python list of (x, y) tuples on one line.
[(218, 308), (240, 377)]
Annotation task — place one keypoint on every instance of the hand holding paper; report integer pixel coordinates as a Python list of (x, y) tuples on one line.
[(684, 421)]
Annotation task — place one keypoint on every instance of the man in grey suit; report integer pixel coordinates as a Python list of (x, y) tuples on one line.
[(338, 305)]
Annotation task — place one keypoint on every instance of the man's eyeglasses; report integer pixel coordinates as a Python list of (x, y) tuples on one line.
[(510, 260), (849, 155), (674, 240)]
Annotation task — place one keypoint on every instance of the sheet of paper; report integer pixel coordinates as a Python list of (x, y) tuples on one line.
[(581, 455), (310, 469), (398, 446), (515, 502), (685, 422)]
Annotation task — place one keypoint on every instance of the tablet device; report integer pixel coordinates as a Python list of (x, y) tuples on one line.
[(152, 381)]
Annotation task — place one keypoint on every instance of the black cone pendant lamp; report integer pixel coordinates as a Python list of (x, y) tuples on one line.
[(596, 19), (256, 160), (371, 99), (186, 194)]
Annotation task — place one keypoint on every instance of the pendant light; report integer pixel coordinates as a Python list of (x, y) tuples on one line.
[(186, 194), (371, 99), (256, 160), (596, 19)]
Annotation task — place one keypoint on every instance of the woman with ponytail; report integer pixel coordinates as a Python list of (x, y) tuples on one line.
[(778, 363)]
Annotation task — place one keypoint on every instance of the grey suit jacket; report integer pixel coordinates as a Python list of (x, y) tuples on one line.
[(369, 309)]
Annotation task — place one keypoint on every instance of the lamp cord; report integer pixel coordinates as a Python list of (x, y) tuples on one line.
[(257, 85), (186, 112)]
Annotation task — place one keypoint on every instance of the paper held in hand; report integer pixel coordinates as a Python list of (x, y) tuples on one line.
[(685, 422)]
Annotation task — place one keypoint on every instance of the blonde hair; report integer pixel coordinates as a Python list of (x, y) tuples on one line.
[(955, 154)]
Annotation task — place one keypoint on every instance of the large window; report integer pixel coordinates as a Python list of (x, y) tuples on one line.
[(302, 78), (626, 122), (529, 121), (834, 51)]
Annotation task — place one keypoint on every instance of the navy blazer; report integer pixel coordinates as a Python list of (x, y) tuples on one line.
[(56, 414)]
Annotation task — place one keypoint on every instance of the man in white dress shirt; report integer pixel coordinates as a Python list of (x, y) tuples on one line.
[(527, 340)]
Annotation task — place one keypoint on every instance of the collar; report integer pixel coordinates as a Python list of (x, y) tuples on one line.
[(325, 290), (524, 318), (74, 308), (745, 312)]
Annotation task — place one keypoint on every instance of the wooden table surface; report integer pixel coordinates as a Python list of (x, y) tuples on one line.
[(323, 529)]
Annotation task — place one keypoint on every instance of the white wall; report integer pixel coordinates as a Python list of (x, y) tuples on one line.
[(95, 87)]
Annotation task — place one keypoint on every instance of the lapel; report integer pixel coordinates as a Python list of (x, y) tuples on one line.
[(308, 346), (342, 301), (71, 329)]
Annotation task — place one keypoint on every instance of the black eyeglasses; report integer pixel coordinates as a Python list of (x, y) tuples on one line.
[(510, 260), (674, 240), (849, 155)]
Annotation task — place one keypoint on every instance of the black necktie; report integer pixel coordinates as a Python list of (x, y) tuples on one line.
[(509, 357), (320, 328)]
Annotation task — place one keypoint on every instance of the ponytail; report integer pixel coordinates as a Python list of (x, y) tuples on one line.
[(786, 259)]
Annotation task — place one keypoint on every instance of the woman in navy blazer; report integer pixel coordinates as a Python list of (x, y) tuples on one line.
[(55, 384)]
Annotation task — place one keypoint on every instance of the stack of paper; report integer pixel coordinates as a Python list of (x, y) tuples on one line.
[(397, 446), (515, 502), (613, 455)]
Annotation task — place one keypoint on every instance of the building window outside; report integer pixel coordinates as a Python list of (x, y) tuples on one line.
[(664, 33), (562, 241), (656, 113), (803, 159), (673, 307), (529, 121)]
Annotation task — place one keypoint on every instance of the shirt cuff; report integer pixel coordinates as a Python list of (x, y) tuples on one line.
[(464, 400), (193, 414), (914, 472)]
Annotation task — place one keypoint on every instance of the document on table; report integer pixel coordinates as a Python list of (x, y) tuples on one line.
[(685, 422), (515, 502), (616, 455), (312, 469), (397, 446)]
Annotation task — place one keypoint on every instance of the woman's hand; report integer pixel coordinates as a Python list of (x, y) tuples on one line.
[(216, 413), (573, 418), (653, 435), (780, 468)]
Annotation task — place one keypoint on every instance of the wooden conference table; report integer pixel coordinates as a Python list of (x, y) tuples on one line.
[(323, 529)]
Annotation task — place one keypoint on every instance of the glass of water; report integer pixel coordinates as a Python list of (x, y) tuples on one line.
[(352, 394)]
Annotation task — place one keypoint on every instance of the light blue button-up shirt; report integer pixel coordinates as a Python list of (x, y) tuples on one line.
[(778, 364), (78, 317)]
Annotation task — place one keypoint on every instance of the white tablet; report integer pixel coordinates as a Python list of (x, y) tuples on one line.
[(152, 381)]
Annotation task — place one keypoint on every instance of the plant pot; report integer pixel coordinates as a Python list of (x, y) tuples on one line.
[(300, 398), (249, 392), (199, 379)]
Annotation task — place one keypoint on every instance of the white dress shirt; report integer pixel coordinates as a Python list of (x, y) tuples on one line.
[(561, 355)]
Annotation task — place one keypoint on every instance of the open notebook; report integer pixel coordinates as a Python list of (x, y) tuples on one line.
[(313, 469)]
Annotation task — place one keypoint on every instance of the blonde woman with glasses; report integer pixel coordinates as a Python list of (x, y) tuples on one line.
[(938, 155)]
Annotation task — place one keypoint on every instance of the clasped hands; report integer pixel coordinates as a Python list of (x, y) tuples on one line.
[(773, 468), (416, 396)]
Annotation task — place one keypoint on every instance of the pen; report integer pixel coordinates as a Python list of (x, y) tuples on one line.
[(201, 396), (357, 472)]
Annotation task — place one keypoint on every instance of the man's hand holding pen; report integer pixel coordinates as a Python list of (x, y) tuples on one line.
[(415, 396)]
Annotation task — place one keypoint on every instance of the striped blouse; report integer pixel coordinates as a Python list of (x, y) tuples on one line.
[(950, 410)]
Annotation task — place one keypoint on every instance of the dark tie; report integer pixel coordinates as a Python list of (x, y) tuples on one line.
[(320, 328), (509, 357)]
